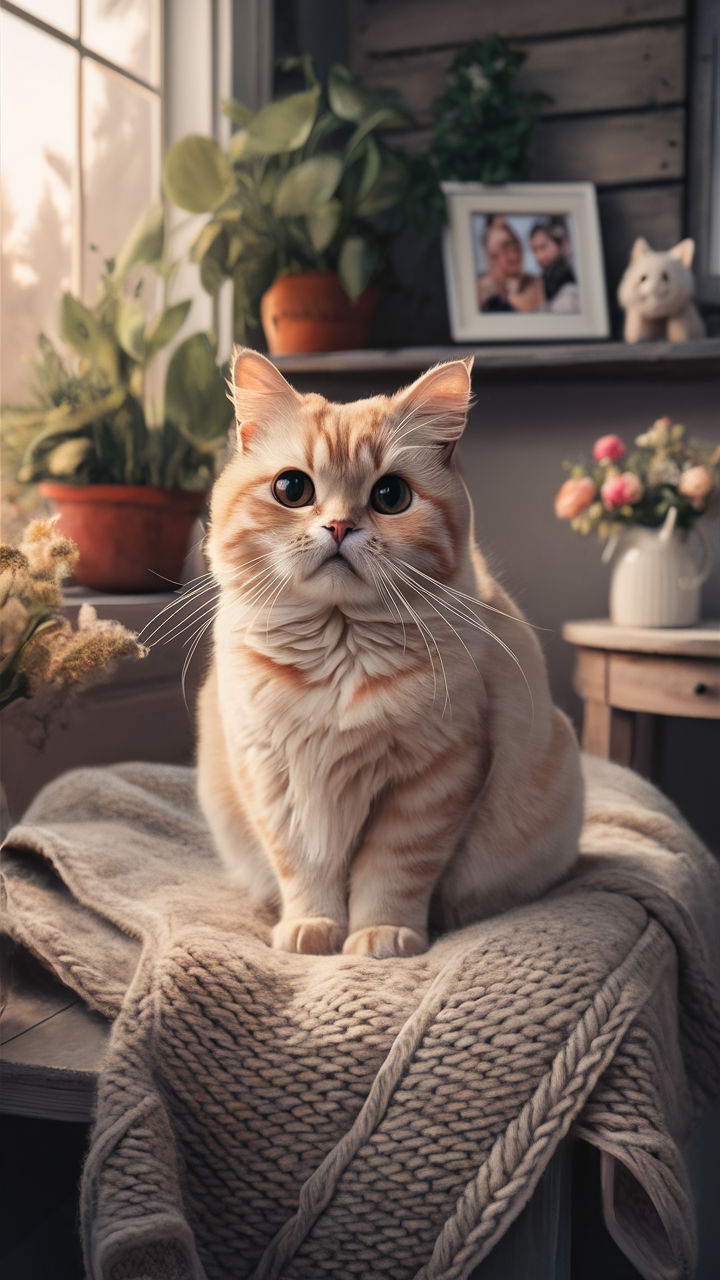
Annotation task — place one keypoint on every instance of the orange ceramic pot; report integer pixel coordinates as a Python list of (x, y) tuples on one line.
[(130, 537), (312, 312)]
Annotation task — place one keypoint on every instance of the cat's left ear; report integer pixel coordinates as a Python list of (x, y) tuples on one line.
[(685, 251), (259, 392), (434, 408)]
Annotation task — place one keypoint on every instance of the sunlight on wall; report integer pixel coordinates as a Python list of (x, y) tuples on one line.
[(67, 184)]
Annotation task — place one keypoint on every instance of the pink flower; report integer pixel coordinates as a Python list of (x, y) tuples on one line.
[(573, 497), (621, 491), (696, 482), (608, 447)]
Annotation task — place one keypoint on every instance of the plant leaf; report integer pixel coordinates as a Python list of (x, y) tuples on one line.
[(352, 100), (324, 126), (197, 174), (144, 244), (195, 398), (284, 125), (237, 146), (85, 334), (307, 185), (356, 263), (163, 328), (371, 169), (130, 327), (388, 189), (322, 224), (236, 112), (384, 116), (204, 240)]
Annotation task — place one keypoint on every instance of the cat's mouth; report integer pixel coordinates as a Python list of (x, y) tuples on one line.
[(336, 560)]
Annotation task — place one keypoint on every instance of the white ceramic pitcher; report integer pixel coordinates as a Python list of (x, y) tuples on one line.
[(655, 580)]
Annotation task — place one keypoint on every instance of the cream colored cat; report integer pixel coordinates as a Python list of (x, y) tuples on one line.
[(376, 728), (657, 291)]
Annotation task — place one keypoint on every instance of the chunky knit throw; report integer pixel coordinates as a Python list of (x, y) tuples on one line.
[(272, 1115)]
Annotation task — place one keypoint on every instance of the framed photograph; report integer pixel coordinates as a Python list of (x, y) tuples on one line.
[(523, 262)]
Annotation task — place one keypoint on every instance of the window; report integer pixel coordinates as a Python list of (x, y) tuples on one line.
[(82, 146), (92, 92)]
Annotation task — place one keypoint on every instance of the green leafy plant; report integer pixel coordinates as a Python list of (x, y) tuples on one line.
[(301, 186), (93, 420), (484, 128)]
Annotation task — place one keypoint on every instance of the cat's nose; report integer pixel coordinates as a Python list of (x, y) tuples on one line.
[(338, 529)]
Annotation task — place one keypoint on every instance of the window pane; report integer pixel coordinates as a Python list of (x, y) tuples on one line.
[(62, 14), (126, 32), (38, 142), (121, 163)]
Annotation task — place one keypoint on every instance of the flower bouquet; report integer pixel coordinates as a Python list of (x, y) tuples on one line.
[(646, 501), (640, 486)]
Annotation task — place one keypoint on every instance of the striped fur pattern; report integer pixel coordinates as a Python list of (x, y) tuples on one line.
[(377, 743)]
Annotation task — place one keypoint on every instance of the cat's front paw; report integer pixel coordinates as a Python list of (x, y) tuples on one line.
[(310, 935), (385, 940)]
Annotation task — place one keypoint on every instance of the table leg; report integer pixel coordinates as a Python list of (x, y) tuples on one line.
[(608, 732)]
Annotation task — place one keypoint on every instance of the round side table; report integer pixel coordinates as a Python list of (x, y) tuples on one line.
[(624, 672)]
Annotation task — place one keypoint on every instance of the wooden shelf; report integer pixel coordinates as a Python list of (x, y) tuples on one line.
[(586, 359)]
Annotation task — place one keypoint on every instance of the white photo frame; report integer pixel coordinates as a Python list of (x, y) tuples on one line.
[(529, 305)]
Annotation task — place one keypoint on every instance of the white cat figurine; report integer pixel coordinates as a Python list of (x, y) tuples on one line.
[(656, 292)]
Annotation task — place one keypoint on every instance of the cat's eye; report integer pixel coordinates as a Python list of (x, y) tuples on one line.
[(293, 489), (643, 279), (391, 495), (664, 276)]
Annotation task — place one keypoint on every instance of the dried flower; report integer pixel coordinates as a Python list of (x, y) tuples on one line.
[(41, 656), (574, 496), (610, 448)]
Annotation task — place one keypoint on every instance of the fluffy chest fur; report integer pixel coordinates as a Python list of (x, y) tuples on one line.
[(338, 709)]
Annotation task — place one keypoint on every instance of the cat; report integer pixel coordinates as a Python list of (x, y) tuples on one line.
[(375, 732), (656, 293)]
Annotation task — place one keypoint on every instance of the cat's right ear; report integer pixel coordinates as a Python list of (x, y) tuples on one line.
[(640, 249), (258, 392), (437, 403)]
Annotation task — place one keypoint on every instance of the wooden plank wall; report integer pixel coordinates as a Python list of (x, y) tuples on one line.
[(615, 71)]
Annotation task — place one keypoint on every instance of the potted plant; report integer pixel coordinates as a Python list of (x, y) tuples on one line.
[(126, 470), (300, 203), (646, 502), (483, 127)]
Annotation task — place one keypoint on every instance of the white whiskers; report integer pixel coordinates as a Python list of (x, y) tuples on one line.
[(459, 609)]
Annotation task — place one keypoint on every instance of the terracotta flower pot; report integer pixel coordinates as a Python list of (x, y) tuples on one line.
[(130, 537), (312, 312)]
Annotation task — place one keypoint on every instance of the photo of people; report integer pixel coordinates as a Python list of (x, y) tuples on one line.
[(525, 263)]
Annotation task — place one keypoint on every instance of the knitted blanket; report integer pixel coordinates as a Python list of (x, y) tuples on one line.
[(264, 1114)]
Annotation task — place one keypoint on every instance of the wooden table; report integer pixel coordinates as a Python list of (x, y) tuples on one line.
[(624, 672), (51, 1044)]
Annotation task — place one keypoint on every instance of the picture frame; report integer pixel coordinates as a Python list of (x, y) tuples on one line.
[(523, 262)]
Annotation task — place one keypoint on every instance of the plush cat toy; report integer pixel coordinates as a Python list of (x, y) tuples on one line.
[(656, 292)]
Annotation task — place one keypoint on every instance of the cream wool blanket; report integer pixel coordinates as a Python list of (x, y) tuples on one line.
[(263, 1114)]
